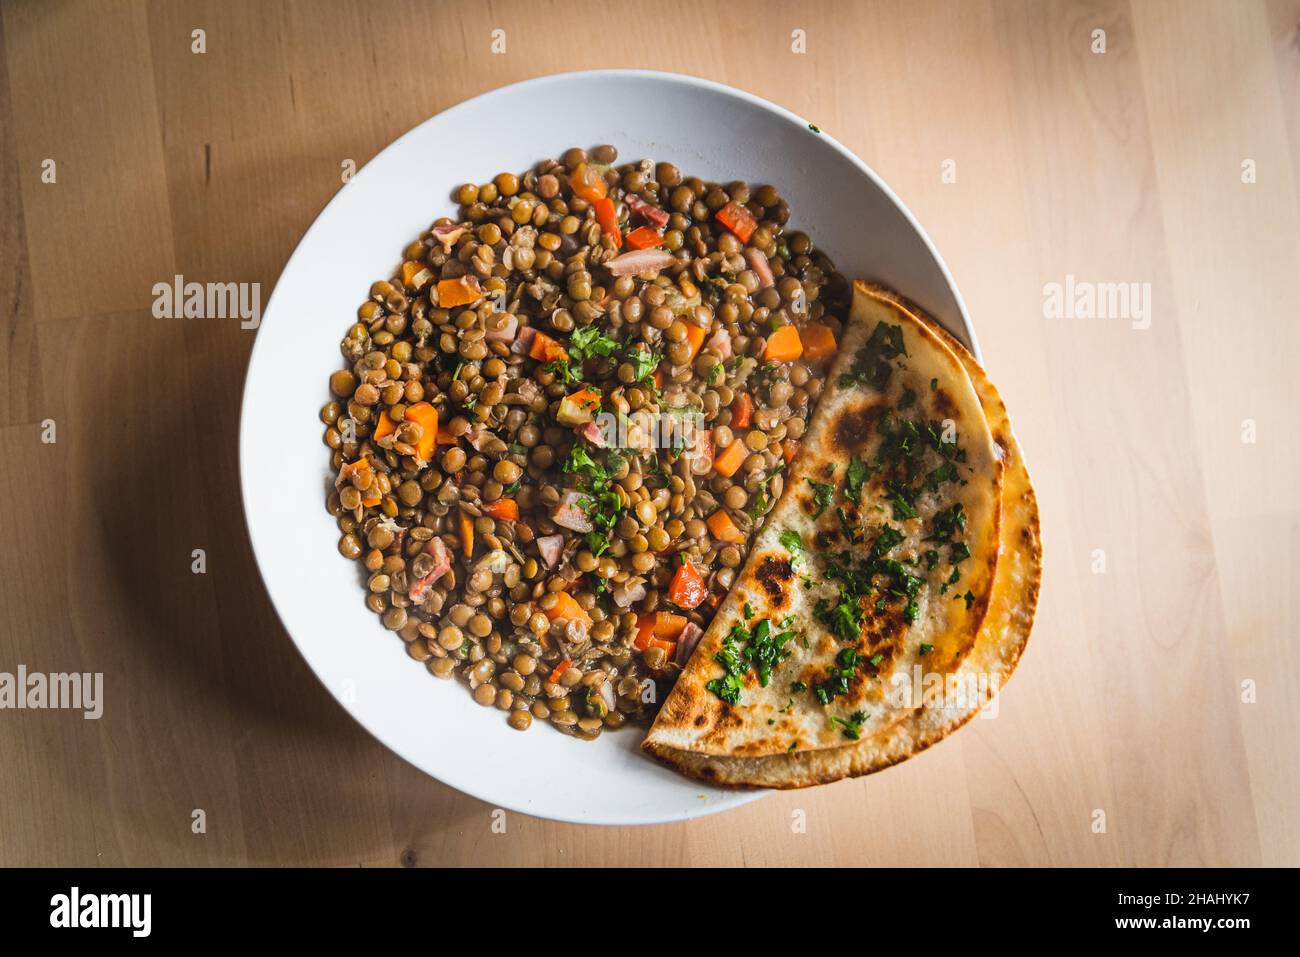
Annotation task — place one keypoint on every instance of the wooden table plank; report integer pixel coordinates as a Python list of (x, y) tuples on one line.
[(81, 82), (1236, 272)]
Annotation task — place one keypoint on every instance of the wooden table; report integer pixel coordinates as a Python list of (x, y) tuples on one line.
[(1160, 697)]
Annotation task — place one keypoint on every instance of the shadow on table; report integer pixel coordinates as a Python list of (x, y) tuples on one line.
[(230, 712)]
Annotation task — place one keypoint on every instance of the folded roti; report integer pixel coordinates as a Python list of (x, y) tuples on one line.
[(878, 558), (997, 650)]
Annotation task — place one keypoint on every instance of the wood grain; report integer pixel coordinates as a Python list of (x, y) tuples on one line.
[(1122, 166)]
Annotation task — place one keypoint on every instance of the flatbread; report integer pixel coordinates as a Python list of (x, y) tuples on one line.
[(996, 652), (919, 527)]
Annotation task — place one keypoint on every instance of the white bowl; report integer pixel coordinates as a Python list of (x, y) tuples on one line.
[(708, 130)]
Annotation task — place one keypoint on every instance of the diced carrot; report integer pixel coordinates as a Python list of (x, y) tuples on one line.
[(458, 292), (566, 608), (818, 342), (687, 589), (586, 397), (588, 183), (789, 449), (466, 535), (742, 411), (644, 237), (645, 630), (654, 625), (658, 377), (385, 426), (784, 345), (608, 220), (668, 625), (427, 416), (668, 646), (445, 437), (738, 219), (416, 275), (351, 468), (657, 626), (560, 669), (504, 509), (731, 458), (724, 529), (546, 349), (695, 336)]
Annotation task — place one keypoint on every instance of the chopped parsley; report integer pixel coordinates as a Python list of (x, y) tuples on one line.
[(871, 364), (588, 342), (856, 476), (948, 522), (763, 649), (850, 531), (852, 725), (729, 686), (792, 542), (837, 682), (564, 371), (643, 361), (600, 500), (766, 650), (947, 472), (902, 500), (822, 494)]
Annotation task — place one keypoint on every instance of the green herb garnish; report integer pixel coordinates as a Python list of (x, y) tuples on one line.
[(857, 474), (822, 494), (852, 725), (588, 342), (871, 364)]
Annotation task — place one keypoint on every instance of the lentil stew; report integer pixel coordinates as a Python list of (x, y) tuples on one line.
[(500, 473)]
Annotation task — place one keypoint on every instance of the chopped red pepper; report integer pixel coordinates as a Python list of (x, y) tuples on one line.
[(742, 411), (587, 183), (506, 509), (687, 588), (560, 669), (738, 219), (608, 219), (643, 237)]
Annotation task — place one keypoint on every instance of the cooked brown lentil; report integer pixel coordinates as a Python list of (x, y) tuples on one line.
[(500, 539)]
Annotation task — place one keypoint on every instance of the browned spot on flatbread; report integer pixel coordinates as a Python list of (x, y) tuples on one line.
[(854, 427), (943, 403), (758, 747), (881, 627), (773, 575), (728, 719)]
